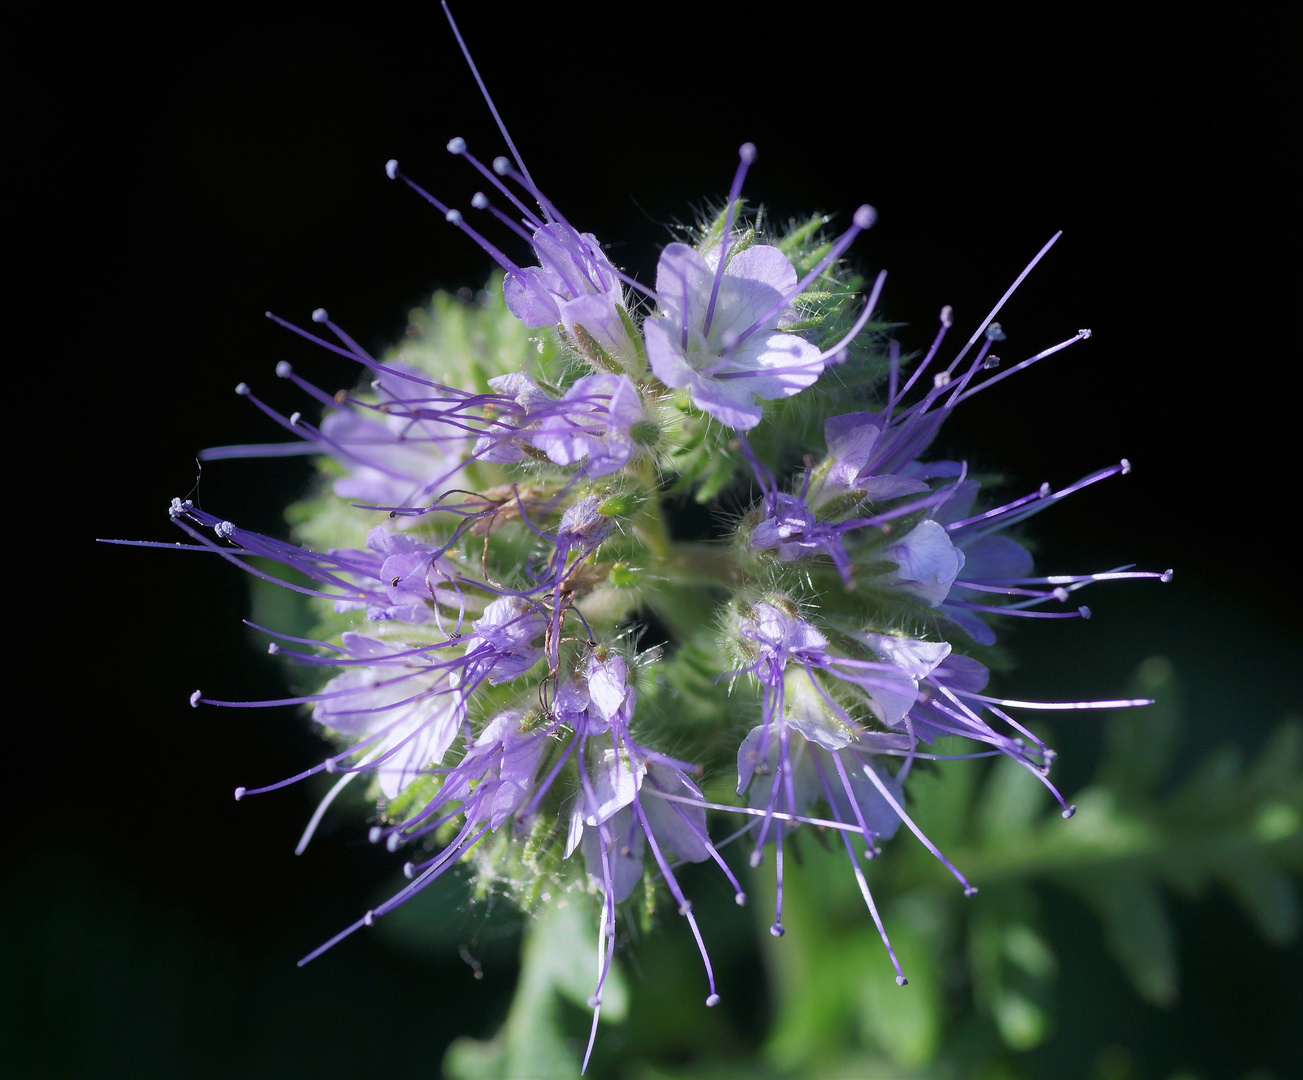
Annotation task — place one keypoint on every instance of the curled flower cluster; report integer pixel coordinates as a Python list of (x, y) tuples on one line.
[(495, 538)]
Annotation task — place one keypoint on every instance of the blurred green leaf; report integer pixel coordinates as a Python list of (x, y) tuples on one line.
[(1012, 967), (1026, 949), (1011, 802), (1022, 1023), (1140, 742), (1268, 896), (836, 993), (1242, 827), (558, 961), (1138, 932), (904, 1021), (1210, 792), (1278, 768)]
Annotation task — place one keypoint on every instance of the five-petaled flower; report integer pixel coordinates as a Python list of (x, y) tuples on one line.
[(720, 337)]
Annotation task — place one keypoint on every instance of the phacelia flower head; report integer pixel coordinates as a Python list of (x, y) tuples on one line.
[(493, 536)]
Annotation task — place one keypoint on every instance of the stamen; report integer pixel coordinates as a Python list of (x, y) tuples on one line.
[(909, 822), (947, 319), (746, 155), (480, 201), (1121, 703), (1016, 368), (484, 91), (320, 811), (685, 906), (873, 910), (454, 217), (458, 147), (981, 330)]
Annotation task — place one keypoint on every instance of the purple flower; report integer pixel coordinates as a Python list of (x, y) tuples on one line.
[(490, 784), (404, 709), (397, 577), (790, 523), (575, 286), (927, 562), (861, 801), (996, 574), (485, 789), (774, 635), (789, 527), (915, 691), (593, 420), (505, 442), (728, 357), (631, 801), (392, 452), (503, 645), (837, 700), (831, 762), (583, 526), (780, 634), (851, 440), (792, 530), (412, 576)]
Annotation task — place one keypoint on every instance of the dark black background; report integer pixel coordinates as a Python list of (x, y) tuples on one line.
[(177, 175)]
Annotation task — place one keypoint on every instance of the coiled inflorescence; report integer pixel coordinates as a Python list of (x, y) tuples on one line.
[(494, 537)]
